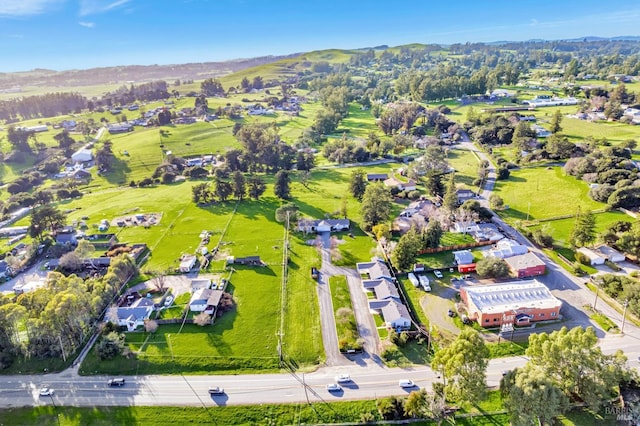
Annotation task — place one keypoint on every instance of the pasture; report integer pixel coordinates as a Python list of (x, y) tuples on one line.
[(542, 193)]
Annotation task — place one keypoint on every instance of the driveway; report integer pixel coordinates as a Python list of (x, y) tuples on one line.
[(436, 305)]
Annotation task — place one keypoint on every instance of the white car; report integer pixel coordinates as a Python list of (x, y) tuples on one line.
[(334, 387), (437, 273), (406, 384), (343, 378), (216, 390), (45, 391), (168, 301)]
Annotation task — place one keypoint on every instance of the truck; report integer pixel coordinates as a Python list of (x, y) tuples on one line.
[(413, 279), (424, 282)]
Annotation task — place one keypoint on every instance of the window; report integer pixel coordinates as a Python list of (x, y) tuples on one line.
[(486, 320), (542, 314), (495, 319), (553, 314)]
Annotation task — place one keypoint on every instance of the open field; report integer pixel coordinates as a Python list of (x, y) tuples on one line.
[(525, 189), (561, 229), (346, 327)]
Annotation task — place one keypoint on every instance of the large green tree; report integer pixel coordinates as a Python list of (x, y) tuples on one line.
[(463, 365), (573, 360), (46, 218), (450, 200), (492, 267), (556, 122), (358, 183), (584, 229), (432, 234), (405, 253), (239, 185), (281, 187), (376, 205), (256, 187), (531, 397)]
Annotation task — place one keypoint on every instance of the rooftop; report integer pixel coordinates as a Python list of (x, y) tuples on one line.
[(497, 298)]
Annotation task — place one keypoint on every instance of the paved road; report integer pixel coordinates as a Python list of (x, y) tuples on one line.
[(364, 321), (566, 287)]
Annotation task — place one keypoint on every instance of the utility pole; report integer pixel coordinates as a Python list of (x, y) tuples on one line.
[(596, 301), (624, 316)]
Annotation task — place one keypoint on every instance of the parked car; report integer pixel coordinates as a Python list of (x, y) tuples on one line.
[(116, 382), (315, 273), (216, 390), (46, 391), (168, 301), (334, 387), (406, 384), (437, 273), (343, 378), (451, 313)]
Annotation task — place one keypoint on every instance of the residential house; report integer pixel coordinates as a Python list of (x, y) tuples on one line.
[(377, 177), (83, 155), (200, 283), (81, 174), (29, 286), (323, 225), (526, 265), (133, 316), (465, 227), (187, 262), (517, 303), (66, 236), (506, 248), (464, 194), (392, 182), (375, 269), (463, 257), (595, 258), (382, 288), (394, 313), (205, 300), (612, 255), (116, 128)]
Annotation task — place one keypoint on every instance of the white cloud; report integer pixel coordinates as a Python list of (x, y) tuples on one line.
[(25, 7), (87, 24), (534, 22), (92, 7)]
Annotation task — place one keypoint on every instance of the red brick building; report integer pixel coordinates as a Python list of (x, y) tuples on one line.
[(518, 303), (526, 265)]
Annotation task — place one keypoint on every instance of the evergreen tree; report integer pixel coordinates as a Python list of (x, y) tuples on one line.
[(556, 122), (450, 200), (256, 187), (281, 187), (376, 205), (358, 183), (239, 185)]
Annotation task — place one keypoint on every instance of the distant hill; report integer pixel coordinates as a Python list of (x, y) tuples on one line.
[(133, 73)]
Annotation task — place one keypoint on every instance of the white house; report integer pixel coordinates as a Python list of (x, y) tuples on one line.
[(463, 257), (610, 254), (82, 155), (134, 316), (187, 262), (594, 257), (205, 300), (394, 313), (323, 225), (506, 248)]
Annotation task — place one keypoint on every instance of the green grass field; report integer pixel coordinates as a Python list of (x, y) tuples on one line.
[(541, 193), (561, 229), (345, 324)]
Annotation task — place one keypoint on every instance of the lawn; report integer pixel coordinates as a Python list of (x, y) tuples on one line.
[(466, 165), (541, 193), (345, 319), (561, 229)]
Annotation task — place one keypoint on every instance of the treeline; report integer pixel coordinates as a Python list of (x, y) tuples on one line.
[(54, 321), (48, 105), (152, 91)]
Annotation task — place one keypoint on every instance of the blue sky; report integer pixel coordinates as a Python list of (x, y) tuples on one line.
[(74, 34)]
